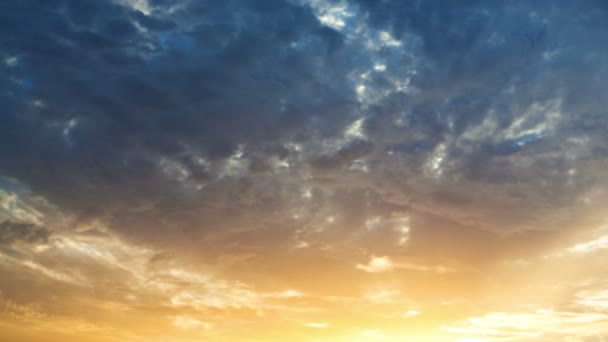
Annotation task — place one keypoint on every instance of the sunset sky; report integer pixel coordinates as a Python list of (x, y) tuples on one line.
[(303, 171)]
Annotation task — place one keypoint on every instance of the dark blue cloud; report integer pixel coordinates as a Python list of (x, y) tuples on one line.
[(206, 115)]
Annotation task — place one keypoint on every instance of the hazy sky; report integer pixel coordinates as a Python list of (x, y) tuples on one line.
[(303, 170)]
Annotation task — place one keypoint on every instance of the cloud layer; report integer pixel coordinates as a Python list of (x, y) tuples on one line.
[(222, 167)]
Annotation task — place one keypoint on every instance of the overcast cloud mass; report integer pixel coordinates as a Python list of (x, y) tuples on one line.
[(303, 170)]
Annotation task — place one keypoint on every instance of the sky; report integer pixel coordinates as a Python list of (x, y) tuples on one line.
[(303, 170)]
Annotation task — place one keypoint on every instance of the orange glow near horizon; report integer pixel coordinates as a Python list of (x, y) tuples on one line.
[(106, 289)]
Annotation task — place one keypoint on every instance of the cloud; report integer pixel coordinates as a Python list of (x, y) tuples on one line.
[(317, 325), (530, 326), (13, 232), (385, 264), (596, 299), (377, 265), (199, 161), (173, 112), (412, 313), (188, 323), (590, 246), (146, 94), (344, 156)]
